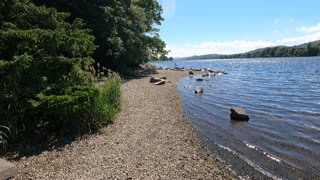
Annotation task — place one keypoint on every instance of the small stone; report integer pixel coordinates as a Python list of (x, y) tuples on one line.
[(198, 90), (191, 73), (238, 114)]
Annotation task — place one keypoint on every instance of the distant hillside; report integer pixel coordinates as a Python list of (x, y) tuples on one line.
[(208, 56), (306, 49)]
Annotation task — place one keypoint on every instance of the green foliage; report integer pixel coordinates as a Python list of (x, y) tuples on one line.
[(47, 80), (123, 29), (4, 137)]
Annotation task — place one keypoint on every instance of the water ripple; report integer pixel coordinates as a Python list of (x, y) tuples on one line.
[(282, 98)]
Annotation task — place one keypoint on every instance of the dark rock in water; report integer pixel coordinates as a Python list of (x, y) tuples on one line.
[(238, 114), (160, 83), (199, 79), (191, 73), (198, 90), (154, 80)]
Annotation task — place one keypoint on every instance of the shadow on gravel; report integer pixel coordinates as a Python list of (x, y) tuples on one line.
[(140, 73), (40, 142), (43, 140)]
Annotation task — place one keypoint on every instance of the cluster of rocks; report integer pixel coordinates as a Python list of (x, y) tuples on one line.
[(207, 72), (237, 113)]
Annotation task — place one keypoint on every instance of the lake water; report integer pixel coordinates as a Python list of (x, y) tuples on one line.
[(282, 98)]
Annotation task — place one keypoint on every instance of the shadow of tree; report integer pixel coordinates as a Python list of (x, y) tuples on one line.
[(39, 142)]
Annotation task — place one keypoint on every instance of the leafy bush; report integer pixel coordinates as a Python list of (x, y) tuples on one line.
[(47, 80)]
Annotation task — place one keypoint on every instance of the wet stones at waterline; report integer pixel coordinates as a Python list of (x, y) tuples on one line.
[(238, 114), (205, 74)]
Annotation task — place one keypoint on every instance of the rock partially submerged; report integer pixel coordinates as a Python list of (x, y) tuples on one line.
[(238, 114), (191, 73), (199, 79), (198, 90)]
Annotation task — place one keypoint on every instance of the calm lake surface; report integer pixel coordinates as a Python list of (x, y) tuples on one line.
[(282, 98)]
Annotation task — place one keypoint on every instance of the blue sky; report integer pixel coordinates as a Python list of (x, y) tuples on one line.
[(233, 26)]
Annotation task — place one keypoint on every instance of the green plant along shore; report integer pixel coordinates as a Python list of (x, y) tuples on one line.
[(53, 65)]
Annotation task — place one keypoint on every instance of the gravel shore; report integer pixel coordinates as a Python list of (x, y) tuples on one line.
[(150, 139)]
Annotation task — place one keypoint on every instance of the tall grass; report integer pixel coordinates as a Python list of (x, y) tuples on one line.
[(5, 134)]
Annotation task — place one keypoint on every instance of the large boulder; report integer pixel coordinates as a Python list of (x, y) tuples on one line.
[(198, 90), (154, 80), (238, 114), (7, 170)]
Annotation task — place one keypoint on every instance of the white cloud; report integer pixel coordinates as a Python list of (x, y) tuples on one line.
[(311, 29), (300, 39), (169, 8), (241, 46), (231, 47)]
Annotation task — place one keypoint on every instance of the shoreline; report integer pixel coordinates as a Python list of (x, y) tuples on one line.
[(150, 139)]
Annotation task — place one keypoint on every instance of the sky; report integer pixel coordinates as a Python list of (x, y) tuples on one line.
[(197, 27)]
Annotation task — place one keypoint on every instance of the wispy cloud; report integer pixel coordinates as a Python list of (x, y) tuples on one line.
[(308, 34), (169, 8), (311, 29), (239, 46), (231, 47), (300, 39)]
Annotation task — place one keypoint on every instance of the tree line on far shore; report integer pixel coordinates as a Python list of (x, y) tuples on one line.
[(303, 50), (59, 62)]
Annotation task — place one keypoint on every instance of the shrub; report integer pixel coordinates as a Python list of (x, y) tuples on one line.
[(47, 80)]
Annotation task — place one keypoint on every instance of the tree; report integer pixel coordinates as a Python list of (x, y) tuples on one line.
[(45, 71), (124, 30)]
